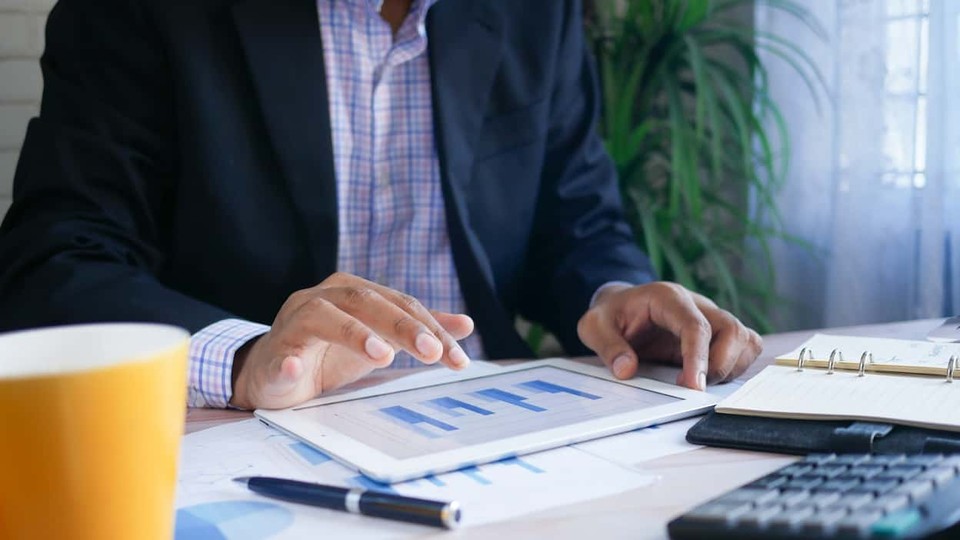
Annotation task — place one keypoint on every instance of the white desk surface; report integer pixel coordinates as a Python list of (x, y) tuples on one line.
[(684, 479)]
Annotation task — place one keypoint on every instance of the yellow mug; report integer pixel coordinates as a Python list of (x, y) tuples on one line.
[(91, 418)]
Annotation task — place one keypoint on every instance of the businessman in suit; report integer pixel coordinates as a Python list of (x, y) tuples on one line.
[(319, 188)]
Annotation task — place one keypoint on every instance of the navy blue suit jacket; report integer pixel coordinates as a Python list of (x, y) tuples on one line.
[(181, 167)]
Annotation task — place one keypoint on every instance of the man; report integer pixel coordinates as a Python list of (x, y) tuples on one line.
[(227, 163)]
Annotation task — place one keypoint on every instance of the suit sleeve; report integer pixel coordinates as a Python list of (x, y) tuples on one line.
[(95, 185), (581, 238)]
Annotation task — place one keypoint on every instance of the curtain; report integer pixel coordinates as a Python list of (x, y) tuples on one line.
[(873, 190)]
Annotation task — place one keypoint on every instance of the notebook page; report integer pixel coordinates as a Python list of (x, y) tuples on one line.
[(890, 355), (784, 392)]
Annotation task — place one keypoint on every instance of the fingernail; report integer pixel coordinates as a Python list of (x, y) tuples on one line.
[(459, 357), (428, 345), (376, 348), (621, 366), (702, 380)]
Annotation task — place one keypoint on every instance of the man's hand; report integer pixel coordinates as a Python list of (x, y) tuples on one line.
[(664, 321), (333, 334)]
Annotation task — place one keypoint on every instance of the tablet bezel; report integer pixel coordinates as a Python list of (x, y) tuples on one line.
[(384, 468)]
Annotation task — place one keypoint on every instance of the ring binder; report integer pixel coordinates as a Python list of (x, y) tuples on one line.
[(804, 353), (832, 363), (863, 363), (951, 365)]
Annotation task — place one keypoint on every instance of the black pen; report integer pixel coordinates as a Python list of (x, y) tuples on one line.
[(357, 501)]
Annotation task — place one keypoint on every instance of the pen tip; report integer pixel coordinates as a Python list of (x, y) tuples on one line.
[(241, 479)]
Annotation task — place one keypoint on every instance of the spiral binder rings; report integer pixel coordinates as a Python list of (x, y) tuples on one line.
[(883, 355), (897, 396), (866, 359)]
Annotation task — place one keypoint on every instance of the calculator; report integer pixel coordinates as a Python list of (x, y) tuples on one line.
[(836, 496)]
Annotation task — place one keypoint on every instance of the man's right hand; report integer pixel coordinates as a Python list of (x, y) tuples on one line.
[(333, 334)]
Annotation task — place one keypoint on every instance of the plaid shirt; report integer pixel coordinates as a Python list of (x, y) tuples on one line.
[(392, 225)]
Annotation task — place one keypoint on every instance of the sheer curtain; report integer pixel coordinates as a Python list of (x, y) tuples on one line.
[(874, 183)]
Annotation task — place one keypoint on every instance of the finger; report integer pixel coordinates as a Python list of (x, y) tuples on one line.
[(675, 311), (459, 326), (321, 319), (729, 340), (390, 321), (598, 331), (748, 355), (449, 352)]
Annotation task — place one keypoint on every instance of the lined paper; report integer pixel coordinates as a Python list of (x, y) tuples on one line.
[(784, 392)]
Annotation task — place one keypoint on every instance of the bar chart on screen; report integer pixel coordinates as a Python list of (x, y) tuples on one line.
[(434, 419)]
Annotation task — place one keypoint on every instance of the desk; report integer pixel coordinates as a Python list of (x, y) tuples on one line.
[(684, 479)]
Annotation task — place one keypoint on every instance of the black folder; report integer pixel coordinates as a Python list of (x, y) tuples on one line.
[(791, 436)]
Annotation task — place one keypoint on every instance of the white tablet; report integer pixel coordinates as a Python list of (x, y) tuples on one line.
[(412, 430)]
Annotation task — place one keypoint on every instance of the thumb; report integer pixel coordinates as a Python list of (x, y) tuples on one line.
[(599, 332), (283, 383)]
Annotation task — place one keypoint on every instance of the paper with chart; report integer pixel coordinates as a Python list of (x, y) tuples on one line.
[(889, 355), (210, 505)]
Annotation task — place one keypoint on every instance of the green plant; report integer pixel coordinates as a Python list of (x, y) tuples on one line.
[(699, 145)]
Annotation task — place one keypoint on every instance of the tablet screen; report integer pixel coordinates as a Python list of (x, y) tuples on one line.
[(424, 421)]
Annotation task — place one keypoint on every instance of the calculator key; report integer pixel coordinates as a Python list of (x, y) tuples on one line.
[(854, 501), (790, 518), (749, 495), (951, 461), (887, 459), (806, 481), (896, 524), (831, 471), (714, 513), (901, 473), (851, 459), (792, 497), (823, 522), (796, 469), (878, 487), (839, 484), (824, 501), (819, 459), (759, 516), (939, 475), (886, 504), (923, 460), (916, 489), (866, 471), (858, 523), (769, 482)]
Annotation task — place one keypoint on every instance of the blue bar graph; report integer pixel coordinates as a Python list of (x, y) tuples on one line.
[(454, 404), (373, 485), (413, 418), (434, 480), (500, 395), (309, 453), (521, 463), (544, 386), (473, 473)]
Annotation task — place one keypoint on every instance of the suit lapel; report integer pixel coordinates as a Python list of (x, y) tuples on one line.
[(281, 40), (465, 46)]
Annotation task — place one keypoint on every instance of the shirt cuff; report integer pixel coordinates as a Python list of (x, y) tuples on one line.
[(210, 382), (593, 299)]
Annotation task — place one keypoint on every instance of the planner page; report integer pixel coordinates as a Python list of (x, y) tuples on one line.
[(814, 394)]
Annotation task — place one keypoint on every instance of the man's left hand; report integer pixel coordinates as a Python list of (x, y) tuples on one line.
[(664, 321)]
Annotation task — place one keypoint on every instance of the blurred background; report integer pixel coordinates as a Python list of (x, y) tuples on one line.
[(797, 160)]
